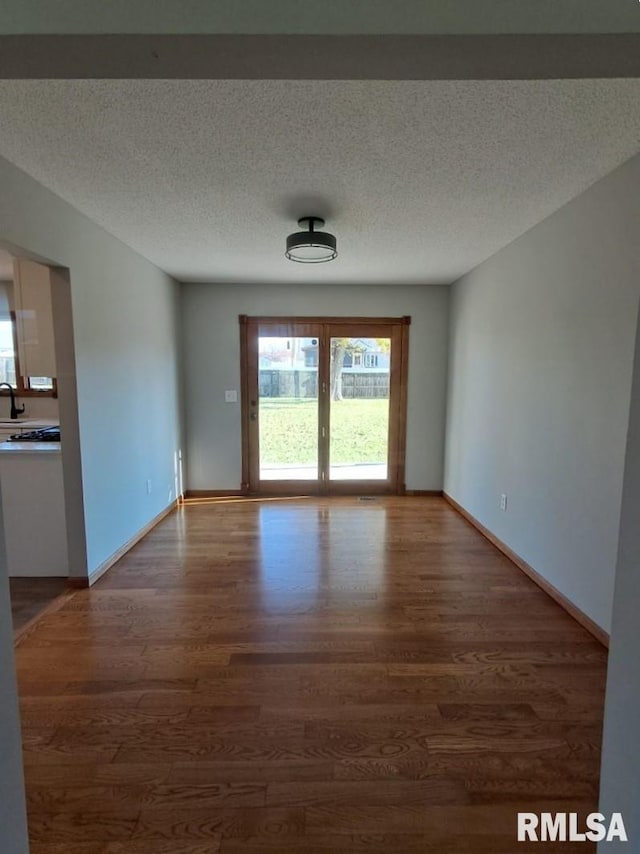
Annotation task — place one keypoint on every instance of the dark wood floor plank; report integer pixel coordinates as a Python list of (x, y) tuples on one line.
[(103, 774), (118, 798), (80, 826), (431, 790), (204, 772), (214, 823), (135, 846), (431, 843), (486, 820)]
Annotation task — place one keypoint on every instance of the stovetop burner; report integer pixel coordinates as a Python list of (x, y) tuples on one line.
[(46, 434)]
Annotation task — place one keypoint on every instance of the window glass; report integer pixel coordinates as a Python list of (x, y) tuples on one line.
[(7, 355)]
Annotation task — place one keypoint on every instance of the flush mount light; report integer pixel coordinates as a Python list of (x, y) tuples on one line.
[(311, 247)]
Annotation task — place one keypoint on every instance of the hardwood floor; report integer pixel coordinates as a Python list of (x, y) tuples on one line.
[(314, 675), (32, 596)]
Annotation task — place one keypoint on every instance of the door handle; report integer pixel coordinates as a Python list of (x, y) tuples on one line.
[(254, 416)]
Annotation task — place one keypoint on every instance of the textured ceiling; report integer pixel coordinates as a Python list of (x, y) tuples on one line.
[(420, 181)]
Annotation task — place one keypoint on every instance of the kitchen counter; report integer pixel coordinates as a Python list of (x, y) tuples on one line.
[(26, 425)]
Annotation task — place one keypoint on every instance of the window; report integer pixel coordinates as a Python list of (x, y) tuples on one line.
[(10, 366), (7, 353), (41, 383), (370, 360), (357, 360)]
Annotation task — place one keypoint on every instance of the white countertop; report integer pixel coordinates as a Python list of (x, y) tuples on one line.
[(30, 448)]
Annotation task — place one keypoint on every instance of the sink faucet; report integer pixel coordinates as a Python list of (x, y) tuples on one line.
[(14, 409)]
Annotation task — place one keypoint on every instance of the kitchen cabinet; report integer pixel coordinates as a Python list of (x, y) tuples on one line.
[(34, 319), (35, 530)]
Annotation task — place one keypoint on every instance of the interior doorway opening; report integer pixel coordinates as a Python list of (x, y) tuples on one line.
[(40, 465)]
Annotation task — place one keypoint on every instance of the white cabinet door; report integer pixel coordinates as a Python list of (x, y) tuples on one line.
[(34, 319), (35, 530)]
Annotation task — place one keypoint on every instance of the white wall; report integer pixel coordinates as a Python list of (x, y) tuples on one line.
[(212, 364), (13, 816), (39, 407), (542, 338), (125, 322), (620, 774)]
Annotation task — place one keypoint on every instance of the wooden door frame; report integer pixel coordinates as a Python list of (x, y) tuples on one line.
[(398, 400)]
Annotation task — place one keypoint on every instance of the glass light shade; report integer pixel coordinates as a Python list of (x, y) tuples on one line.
[(311, 247)]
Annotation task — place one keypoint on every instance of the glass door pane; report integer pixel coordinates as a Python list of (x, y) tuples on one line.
[(359, 408), (288, 407)]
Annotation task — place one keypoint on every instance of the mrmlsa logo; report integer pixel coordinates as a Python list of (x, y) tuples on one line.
[(564, 827)]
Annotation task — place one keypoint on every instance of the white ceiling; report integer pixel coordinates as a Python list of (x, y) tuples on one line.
[(420, 181)]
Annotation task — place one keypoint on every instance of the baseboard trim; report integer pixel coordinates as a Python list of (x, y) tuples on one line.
[(194, 494), (571, 609), (106, 565), (213, 493)]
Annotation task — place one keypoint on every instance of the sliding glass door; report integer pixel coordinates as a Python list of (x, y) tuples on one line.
[(359, 396), (323, 404), (287, 410)]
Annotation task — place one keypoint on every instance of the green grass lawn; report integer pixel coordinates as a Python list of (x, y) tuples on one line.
[(288, 431)]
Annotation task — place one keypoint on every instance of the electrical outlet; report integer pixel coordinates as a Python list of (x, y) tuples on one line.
[(148, 486), (503, 501), (231, 396)]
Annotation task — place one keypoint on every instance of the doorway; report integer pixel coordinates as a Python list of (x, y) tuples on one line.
[(324, 404)]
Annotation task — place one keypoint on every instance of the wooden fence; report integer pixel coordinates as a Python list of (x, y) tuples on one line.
[(304, 384)]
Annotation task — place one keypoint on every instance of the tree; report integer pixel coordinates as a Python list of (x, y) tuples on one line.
[(339, 348)]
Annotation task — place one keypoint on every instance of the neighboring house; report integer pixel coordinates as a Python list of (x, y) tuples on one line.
[(310, 351), (283, 354), (364, 356), (274, 361)]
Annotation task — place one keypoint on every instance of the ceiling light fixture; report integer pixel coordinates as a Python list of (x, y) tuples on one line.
[(311, 247)]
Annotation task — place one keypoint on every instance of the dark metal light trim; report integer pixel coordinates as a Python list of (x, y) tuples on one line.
[(311, 247)]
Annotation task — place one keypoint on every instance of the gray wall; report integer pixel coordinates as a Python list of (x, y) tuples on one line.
[(212, 364), (539, 388), (332, 16), (13, 816), (125, 322), (620, 776)]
